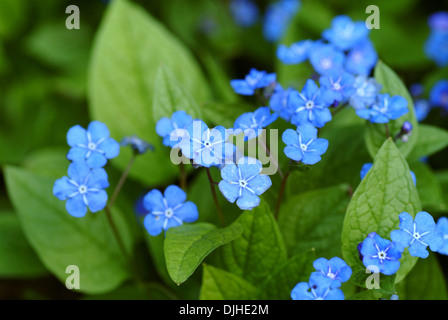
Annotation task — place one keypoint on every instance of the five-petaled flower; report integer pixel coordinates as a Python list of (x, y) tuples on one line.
[(380, 253), (137, 144), (336, 269), (167, 210), (386, 108), (345, 33), (254, 80), (294, 54), (317, 288), (92, 145), (303, 144), (83, 188), (243, 183), (418, 234)]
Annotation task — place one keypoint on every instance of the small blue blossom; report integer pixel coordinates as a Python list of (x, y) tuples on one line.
[(83, 188), (339, 82), (416, 90), (251, 123), (366, 91), (438, 21), (244, 12), (278, 17), (303, 144), (422, 107), (394, 297), (324, 57), (138, 145), (418, 234), (336, 269), (171, 130), (367, 166), (380, 253), (243, 183), (362, 58), (317, 288), (311, 105), (344, 33), (279, 102), (92, 145), (439, 94), (254, 80), (386, 108), (206, 147), (442, 227), (167, 210), (296, 53), (436, 48)]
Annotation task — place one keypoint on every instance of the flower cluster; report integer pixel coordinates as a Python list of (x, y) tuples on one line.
[(86, 181), (324, 283), (436, 46), (416, 234)]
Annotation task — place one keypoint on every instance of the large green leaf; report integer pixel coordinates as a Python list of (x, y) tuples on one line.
[(218, 284), (187, 245), (61, 240), (314, 220), (430, 140), (259, 250), (385, 192), (129, 49), (18, 258), (376, 132), (279, 284)]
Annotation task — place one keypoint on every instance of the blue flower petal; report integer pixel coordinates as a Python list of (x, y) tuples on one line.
[(98, 131), (260, 184), (154, 224), (153, 201), (164, 127), (77, 154), (290, 137), (110, 147), (293, 153), (96, 159), (63, 188), (187, 212), (75, 206), (77, 135), (229, 190), (248, 200), (174, 196), (97, 200)]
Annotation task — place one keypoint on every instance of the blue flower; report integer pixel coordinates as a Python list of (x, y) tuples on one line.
[(367, 166), (171, 130), (295, 53), (366, 91), (416, 90), (336, 269), (251, 123), (279, 102), (436, 48), (243, 183), (167, 210), (324, 57), (386, 108), (380, 253), (206, 147), (339, 82), (278, 17), (244, 12), (92, 145), (418, 234), (138, 145), (438, 21), (254, 80), (344, 33), (422, 107), (442, 227), (439, 94), (362, 58), (311, 105), (83, 188), (317, 288), (303, 144)]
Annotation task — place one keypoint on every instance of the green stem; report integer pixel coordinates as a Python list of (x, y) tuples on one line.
[(182, 177), (122, 180), (387, 130), (215, 197), (280, 195)]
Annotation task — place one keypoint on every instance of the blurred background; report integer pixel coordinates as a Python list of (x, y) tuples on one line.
[(44, 71)]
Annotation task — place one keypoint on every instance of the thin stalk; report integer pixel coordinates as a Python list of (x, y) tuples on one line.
[(122, 180), (215, 197), (280, 195), (182, 177)]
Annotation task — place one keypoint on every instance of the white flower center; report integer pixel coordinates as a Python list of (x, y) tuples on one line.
[(242, 183), (309, 105), (382, 255), (169, 213), (303, 146), (91, 146), (337, 86), (82, 189)]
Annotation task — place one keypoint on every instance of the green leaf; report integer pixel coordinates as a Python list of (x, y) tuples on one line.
[(279, 284), (187, 245), (385, 192), (430, 140), (61, 240), (259, 250), (171, 96), (218, 284), (376, 132), (314, 220), (425, 282), (18, 258), (128, 50)]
